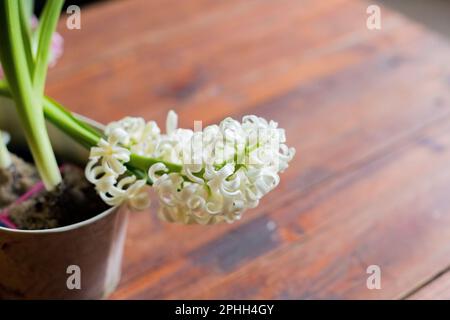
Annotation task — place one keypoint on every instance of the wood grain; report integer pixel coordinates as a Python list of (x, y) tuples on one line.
[(438, 288), (366, 110)]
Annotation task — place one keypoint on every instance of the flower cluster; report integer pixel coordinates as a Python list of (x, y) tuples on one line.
[(106, 170), (220, 172)]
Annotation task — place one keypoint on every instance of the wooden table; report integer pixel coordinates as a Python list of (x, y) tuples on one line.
[(367, 111)]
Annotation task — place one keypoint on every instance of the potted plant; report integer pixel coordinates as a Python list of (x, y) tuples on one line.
[(205, 176)]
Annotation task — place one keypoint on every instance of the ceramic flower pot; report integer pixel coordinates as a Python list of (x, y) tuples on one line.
[(79, 261)]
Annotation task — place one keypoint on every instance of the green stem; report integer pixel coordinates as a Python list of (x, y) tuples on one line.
[(47, 26), (63, 120), (73, 127), (144, 163), (29, 107), (25, 27), (28, 6), (84, 134)]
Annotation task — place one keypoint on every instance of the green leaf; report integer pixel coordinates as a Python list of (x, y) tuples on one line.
[(47, 26), (63, 120), (25, 27), (28, 5), (29, 106)]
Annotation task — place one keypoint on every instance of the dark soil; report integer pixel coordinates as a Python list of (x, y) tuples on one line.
[(75, 200), (16, 180)]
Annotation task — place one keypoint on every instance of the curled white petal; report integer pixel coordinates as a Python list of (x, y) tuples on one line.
[(138, 195), (190, 171), (106, 167), (131, 129), (171, 122), (157, 167)]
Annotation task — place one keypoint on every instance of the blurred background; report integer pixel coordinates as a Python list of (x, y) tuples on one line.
[(367, 110), (39, 4), (433, 13)]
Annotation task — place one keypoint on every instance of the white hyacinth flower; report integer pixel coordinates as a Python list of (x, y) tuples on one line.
[(106, 168), (132, 128), (110, 153), (224, 169)]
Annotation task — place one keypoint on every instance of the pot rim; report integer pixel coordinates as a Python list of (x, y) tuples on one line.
[(65, 228), (80, 224)]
